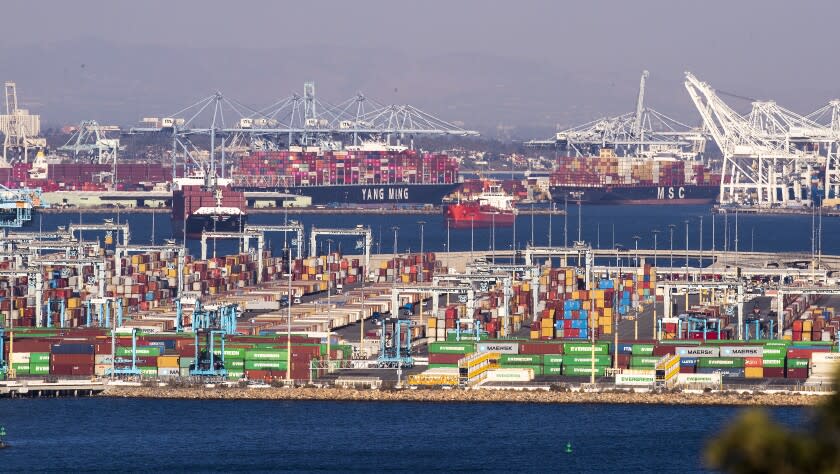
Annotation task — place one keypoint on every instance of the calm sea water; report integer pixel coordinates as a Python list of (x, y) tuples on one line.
[(603, 226), (70, 435)]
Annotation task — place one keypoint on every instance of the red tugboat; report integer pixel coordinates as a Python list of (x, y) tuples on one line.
[(492, 207)]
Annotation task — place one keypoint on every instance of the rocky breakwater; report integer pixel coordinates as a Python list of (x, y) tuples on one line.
[(468, 396)]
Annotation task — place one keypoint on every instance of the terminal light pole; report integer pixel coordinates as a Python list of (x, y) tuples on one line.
[(671, 228), (636, 238), (289, 321), (566, 221), (329, 301), (422, 256), (655, 238)]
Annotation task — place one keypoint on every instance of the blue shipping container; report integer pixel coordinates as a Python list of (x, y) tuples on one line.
[(72, 349)]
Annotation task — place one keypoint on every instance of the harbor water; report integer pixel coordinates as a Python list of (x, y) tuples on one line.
[(602, 226), (247, 435)]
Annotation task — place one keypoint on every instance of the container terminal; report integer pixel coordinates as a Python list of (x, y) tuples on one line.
[(80, 314), (77, 311)]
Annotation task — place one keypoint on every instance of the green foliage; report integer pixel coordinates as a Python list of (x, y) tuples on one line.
[(756, 444)]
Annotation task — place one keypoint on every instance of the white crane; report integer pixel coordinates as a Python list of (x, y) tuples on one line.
[(643, 132), (768, 154), (829, 116)]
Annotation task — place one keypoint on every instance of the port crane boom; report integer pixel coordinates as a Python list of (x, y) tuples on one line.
[(769, 153)]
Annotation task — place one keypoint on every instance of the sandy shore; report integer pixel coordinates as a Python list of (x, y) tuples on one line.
[(472, 396)]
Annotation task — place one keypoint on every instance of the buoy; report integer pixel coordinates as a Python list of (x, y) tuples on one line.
[(569, 447)]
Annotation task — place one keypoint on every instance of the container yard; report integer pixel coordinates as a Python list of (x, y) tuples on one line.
[(113, 310)]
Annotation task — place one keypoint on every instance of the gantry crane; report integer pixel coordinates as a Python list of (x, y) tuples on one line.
[(363, 231), (643, 132), (211, 321), (768, 154), (297, 120), (16, 206)]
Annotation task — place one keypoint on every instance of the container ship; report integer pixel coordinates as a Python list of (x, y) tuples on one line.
[(489, 208), (51, 174), (608, 179), (199, 205), (367, 174)]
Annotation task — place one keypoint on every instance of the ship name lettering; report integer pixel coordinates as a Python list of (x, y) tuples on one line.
[(671, 193), (398, 193), (373, 194)]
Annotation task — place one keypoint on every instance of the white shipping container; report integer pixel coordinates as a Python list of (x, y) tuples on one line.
[(510, 375), (20, 357)]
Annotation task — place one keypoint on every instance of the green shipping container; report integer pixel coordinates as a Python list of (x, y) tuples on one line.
[(185, 362), (265, 354), (39, 357), (798, 363), (579, 371), (451, 348), (21, 368), (774, 351), (235, 374), (776, 343), (231, 352), (443, 366), (641, 349), (549, 370), (775, 362), (265, 365), (644, 361), (586, 360), (521, 359), (575, 348), (148, 371), (142, 351), (39, 368), (721, 362), (452, 336), (234, 364), (553, 359)]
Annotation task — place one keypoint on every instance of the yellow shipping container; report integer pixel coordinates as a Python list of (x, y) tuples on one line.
[(168, 361), (546, 323), (72, 303), (548, 332), (535, 334), (754, 372), (605, 329), (608, 312), (431, 323), (526, 287)]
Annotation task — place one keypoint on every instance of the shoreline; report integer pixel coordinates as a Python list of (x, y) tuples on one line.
[(471, 396)]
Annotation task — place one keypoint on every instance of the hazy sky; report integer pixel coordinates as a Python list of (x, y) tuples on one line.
[(531, 65)]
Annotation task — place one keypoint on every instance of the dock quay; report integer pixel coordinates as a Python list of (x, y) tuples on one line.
[(57, 388), (779, 211), (501, 321)]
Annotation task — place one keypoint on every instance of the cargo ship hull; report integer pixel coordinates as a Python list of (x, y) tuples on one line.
[(653, 195), (195, 225), (370, 193)]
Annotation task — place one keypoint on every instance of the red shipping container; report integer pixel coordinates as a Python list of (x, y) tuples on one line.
[(753, 362), (805, 353), (774, 372), (796, 373), (444, 358)]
